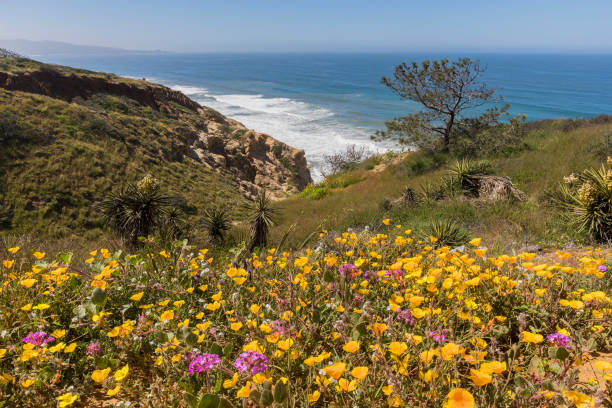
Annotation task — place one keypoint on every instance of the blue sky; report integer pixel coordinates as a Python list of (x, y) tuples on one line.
[(583, 26)]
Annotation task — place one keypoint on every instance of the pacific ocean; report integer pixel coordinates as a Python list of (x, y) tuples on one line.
[(323, 102)]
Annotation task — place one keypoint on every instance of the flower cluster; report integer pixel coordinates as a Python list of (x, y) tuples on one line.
[(203, 363)]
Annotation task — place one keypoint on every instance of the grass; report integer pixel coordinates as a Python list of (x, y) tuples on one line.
[(550, 154)]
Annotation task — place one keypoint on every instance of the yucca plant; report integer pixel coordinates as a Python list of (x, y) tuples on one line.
[(464, 175), (136, 210), (587, 201), (262, 219), (446, 233), (216, 220)]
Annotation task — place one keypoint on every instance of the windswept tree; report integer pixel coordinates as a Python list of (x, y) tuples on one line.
[(448, 92)]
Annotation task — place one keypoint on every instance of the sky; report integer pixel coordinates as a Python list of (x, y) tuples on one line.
[(559, 26)]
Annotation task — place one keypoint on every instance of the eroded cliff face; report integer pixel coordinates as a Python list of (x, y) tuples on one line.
[(257, 161)]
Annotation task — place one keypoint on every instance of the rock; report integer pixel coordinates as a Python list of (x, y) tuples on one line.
[(496, 188)]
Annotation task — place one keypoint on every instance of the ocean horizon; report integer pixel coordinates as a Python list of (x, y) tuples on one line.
[(324, 102)]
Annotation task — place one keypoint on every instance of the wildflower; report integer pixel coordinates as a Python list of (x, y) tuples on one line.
[(204, 363), (231, 383), (480, 378), (529, 337), (38, 339), (438, 335), (121, 373), (93, 349), (351, 346), (251, 361), (167, 315), (137, 296), (579, 399), (560, 340), (460, 398), (100, 375), (348, 270), (346, 385), (335, 370), (67, 399), (493, 367), (39, 255), (407, 317), (602, 268), (113, 391), (359, 372)]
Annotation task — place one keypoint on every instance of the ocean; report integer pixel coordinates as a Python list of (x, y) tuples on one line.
[(323, 103)]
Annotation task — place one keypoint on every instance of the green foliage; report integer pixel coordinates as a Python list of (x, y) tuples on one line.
[(463, 175), (137, 210), (446, 233), (447, 91), (216, 220), (262, 218), (587, 201)]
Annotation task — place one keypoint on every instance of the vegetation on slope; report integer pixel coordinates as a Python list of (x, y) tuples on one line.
[(357, 320), (65, 148), (537, 164)]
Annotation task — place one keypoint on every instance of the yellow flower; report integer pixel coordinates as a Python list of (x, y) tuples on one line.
[(121, 373), (244, 391), (13, 250), (113, 391), (600, 365), (529, 337), (379, 328), (475, 242), (70, 348), (428, 355), (28, 283), (2, 352), (449, 350), (386, 221), (493, 367), (100, 375), (351, 346), (314, 397), (346, 385), (396, 348), (41, 306), (254, 308), (285, 344), (27, 383), (137, 296), (67, 399), (579, 399), (58, 334), (39, 255), (359, 372), (231, 383), (236, 326), (480, 378), (8, 264), (460, 398), (167, 315), (114, 332), (335, 370)]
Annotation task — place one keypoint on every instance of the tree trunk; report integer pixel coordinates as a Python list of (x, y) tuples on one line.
[(447, 132)]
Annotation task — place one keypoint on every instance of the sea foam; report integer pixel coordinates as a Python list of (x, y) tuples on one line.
[(299, 124)]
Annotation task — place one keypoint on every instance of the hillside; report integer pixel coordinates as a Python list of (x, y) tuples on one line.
[(360, 197), (69, 137)]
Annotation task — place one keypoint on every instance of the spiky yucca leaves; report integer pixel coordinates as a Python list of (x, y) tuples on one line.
[(216, 220), (262, 219), (587, 200), (446, 233), (464, 175), (136, 210)]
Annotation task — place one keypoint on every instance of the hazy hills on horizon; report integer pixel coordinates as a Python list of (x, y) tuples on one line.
[(32, 48)]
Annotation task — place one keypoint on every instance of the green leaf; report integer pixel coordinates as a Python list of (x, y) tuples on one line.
[(255, 396), (227, 351), (80, 311), (223, 403), (191, 400), (65, 257), (280, 392), (209, 401), (216, 349), (562, 353), (536, 367), (218, 383), (328, 276), (98, 297), (316, 315), (267, 398)]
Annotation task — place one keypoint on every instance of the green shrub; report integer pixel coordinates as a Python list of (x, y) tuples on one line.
[(446, 233), (463, 176), (587, 201)]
